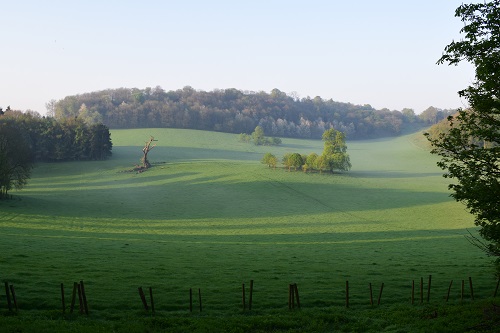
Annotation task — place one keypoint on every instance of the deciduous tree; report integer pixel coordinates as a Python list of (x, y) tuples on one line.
[(295, 161), (335, 150), (15, 159), (470, 150), (270, 160)]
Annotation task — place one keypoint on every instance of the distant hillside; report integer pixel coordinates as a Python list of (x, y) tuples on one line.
[(235, 111)]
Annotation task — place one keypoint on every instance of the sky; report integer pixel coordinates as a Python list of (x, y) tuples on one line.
[(381, 53)]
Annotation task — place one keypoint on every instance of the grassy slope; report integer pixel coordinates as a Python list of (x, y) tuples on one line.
[(211, 217)]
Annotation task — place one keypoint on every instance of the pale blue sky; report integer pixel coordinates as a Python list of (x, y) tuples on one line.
[(381, 53)]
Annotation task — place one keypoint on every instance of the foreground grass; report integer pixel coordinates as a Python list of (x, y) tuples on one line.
[(210, 216), (470, 317)]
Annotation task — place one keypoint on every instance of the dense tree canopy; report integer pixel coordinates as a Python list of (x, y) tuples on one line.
[(470, 149), (335, 150), (26, 138), (15, 158), (235, 111), (68, 139), (334, 156)]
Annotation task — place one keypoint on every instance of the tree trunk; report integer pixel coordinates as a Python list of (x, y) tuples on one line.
[(145, 151)]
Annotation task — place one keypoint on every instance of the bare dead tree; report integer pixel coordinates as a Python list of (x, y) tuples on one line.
[(145, 151)]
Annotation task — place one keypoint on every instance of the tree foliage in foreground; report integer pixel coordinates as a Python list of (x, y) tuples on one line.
[(470, 149)]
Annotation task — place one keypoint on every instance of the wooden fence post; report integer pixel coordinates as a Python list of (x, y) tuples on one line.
[(243, 296), (297, 295), (250, 299), (380, 295), (347, 294), (429, 289), (62, 299), (471, 288), (7, 294), (14, 296), (190, 300), (449, 290), (143, 299), (152, 300), (496, 289), (84, 298), (80, 299)]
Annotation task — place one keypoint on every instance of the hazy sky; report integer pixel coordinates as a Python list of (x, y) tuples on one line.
[(381, 53)]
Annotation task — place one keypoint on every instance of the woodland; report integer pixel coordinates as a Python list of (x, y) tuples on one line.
[(26, 138), (235, 111)]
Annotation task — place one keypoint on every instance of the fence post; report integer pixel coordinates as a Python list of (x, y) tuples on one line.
[(380, 295), (429, 289), (80, 299), (412, 292), (250, 299), (347, 294), (152, 300), (84, 297), (496, 289), (14, 296), (62, 299), (297, 295), (471, 289), (7, 294), (243, 296), (449, 290), (143, 299)]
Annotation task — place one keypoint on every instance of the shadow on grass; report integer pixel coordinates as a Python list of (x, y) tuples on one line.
[(158, 197)]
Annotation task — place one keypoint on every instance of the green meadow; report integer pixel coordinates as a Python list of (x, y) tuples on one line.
[(209, 215)]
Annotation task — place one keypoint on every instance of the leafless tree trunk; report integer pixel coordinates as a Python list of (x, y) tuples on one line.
[(145, 151)]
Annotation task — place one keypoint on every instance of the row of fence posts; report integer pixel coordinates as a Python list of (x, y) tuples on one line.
[(293, 296), (10, 293), (78, 291)]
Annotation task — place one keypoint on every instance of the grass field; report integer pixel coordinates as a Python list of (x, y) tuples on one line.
[(209, 215)]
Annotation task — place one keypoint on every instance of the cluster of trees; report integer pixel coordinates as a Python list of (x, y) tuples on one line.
[(469, 146), (26, 138), (334, 156), (259, 139), (235, 111)]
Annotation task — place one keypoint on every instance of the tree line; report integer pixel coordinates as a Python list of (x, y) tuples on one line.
[(26, 138), (235, 111)]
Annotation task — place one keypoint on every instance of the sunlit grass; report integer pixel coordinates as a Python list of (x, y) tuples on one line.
[(209, 215)]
